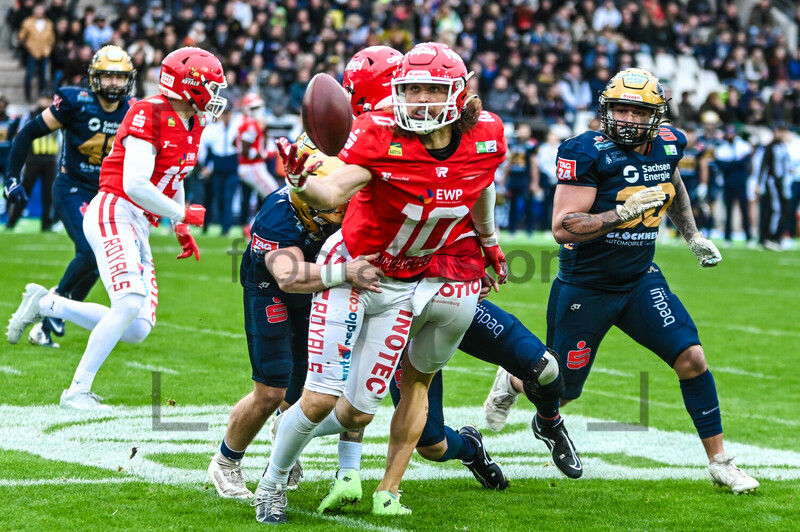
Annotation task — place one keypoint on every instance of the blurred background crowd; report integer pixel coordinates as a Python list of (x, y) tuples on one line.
[(732, 69)]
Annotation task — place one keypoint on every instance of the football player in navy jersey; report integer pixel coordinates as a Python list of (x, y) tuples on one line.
[(613, 189), (278, 276), (90, 119)]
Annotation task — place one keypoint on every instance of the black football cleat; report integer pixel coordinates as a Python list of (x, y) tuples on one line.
[(485, 470), (565, 457)]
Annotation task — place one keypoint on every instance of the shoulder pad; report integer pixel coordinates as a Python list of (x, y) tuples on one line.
[(586, 145)]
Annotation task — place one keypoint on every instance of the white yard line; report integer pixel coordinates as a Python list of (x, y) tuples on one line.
[(150, 367), (10, 370)]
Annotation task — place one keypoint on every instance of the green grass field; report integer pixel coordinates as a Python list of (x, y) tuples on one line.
[(69, 471)]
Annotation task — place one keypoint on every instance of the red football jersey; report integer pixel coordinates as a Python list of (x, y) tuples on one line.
[(250, 131), (154, 120), (460, 261), (415, 204)]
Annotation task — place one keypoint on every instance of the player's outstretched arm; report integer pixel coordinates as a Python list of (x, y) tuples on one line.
[(38, 127), (680, 212), (294, 275), (320, 194)]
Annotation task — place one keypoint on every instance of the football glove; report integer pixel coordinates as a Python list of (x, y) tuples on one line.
[(14, 192), (701, 192), (638, 203), (293, 166), (705, 251), (194, 215), (493, 255), (186, 240)]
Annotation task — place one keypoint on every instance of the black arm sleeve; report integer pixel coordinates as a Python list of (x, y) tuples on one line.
[(22, 142)]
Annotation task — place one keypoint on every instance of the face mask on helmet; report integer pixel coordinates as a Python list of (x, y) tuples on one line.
[(319, 224), (111, 61), (639, 89), (430, 64), (368, 78)]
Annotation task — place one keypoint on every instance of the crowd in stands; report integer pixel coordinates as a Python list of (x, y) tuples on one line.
[(542, 62)]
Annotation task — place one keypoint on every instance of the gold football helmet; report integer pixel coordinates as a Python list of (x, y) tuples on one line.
[(111, 60), (633, 86), (319, 224), (305, 145)]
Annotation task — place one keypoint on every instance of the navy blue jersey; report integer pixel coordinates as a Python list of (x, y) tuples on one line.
[(275, 227), (689, 166), (88, 133), (519, 163), (618, 259)]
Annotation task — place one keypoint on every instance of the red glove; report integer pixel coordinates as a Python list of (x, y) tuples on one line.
[(294, 166), (493, 255), (194, 215), (187, 242)]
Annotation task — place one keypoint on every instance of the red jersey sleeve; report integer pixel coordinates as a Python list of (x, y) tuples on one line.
[(144, 122), (370, 138)]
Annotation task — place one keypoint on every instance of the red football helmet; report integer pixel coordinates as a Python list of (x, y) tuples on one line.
[(430, 63), (251, 104), (196, 77), (368, 78)]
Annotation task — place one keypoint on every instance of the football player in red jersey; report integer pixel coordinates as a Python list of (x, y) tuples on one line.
[(418, 180), (141, 181), (251, 145)]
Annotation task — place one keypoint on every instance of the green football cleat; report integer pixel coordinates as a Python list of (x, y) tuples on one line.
[(346, 489), (385, 503)]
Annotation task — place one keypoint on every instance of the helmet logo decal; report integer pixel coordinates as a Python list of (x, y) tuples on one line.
[(167, 79)]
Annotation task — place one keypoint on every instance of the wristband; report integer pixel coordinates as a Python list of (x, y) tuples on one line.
[(294, 188), (333, 274)]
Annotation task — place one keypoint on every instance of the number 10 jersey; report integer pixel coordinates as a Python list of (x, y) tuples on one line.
[(415, 203)]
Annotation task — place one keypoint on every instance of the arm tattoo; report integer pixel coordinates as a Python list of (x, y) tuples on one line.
[(583, 223), (680, 212)]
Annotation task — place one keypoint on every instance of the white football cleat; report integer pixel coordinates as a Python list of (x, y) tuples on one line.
[(83, 401), (38, 336), (725, 473), (228, 477), (501, 398), (27, 313)]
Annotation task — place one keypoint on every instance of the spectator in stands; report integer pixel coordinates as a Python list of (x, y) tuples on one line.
[(575, 92), (687, 112), (606, 16), (502, 99), (38, 37), (98, 32)]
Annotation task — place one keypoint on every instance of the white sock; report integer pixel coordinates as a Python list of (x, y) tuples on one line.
[(82, 314), (330, 425), (349, 455), (295, 432), (104, 337)]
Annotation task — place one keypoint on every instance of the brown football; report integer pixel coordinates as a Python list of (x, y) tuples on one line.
[(326, 114)]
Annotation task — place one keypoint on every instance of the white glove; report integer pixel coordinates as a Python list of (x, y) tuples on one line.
[(705, 251), (638, 203), (701, 192)]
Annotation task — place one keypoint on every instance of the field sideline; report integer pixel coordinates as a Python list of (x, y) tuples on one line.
[(67, 471)]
